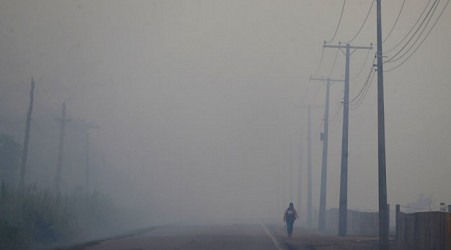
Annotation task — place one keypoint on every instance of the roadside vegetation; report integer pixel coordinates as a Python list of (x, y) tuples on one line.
[(34, 218)]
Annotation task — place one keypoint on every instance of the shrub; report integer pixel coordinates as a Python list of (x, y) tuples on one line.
[(38, 218)]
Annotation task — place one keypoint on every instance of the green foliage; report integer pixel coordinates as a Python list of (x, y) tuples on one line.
[(38, 218)]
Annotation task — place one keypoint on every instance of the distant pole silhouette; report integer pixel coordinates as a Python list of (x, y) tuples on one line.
[(299, 196), (309, 170), (86, 127), (59, 164), (343, 204), (27, 137), (88, 167), (325, 139)]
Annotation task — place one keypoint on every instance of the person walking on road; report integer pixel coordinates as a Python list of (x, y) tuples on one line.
[(289, 217)]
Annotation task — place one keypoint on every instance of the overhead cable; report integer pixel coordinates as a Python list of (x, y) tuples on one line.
[(363, 65), (336, 115), (411, 29), (339, 22), (357, 105), (396, 21), (358, 100), (320, 60), (365, 84), (422, 26), (422, 41), (363, 24), (333, 65)]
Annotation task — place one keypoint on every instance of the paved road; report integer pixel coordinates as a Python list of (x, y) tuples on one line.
[(236, 237), (188, 237)]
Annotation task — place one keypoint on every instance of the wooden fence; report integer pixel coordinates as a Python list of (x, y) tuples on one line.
[(414, 231), (423, 230), (358, 223)]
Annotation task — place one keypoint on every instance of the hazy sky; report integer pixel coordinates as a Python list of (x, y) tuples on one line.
[(202, 103)]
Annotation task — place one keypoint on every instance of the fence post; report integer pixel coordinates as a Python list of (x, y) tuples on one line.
[(398, 213), (388, 220)]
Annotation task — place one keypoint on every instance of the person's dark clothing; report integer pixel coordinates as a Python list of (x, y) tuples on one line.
[(289, 217)]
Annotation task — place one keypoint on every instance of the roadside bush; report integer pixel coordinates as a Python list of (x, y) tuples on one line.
[(12, 237), (37, 218)]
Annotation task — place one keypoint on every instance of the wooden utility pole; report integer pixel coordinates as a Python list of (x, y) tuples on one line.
[(299, 193), (86, 126), (88, 166), (309, 170), (383, 208), (26, 138), (343, 206), (59, 164), (325, 139)]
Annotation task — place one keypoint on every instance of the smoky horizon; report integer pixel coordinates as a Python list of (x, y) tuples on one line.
[(199, 110)]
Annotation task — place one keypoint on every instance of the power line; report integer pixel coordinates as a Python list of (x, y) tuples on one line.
[(369, 85), (364, 90), (339, 22), (365, 85), (411, 29), (363, 65), (427, 18), (396, 21), (422, 41), (320, 60), (363, 24), (336, 115), (333, 64)]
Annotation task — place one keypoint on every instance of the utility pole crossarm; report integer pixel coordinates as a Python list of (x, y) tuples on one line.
[(345, 46), (325, 79)]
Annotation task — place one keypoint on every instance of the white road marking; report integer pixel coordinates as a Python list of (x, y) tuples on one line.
[(274, 240)]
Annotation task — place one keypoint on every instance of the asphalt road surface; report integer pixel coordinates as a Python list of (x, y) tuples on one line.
[(237, 237), (199, 237)]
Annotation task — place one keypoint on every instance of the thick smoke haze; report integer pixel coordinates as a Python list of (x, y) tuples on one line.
[(201, 106)]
